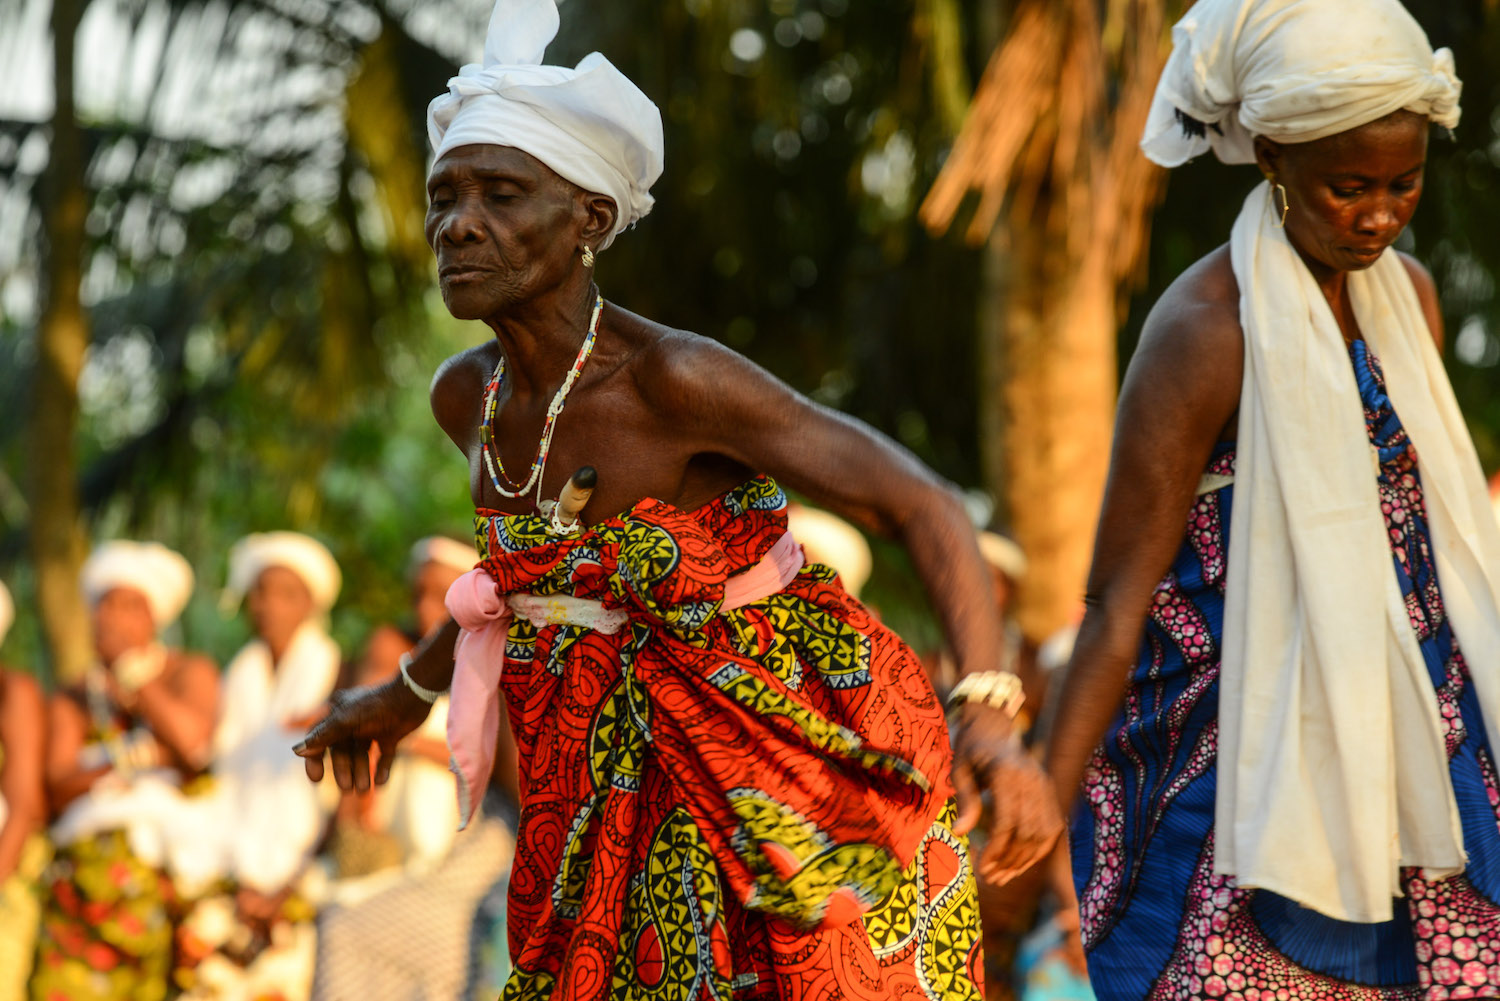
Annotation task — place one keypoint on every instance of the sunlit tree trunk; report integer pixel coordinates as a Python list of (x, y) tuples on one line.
[(57, 538), (1064, 206)]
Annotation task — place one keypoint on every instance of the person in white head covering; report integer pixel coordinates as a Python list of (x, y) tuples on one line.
[(120, 743), (623, 474), (263, 822), (1302, 760)]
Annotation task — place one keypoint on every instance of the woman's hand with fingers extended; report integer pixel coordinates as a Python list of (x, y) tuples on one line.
[(358, 717), (1026, 822)]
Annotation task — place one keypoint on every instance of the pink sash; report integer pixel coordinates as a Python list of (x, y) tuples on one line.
[(479, 655)]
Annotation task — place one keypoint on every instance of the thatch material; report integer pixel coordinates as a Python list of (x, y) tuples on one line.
[(1049, 147)]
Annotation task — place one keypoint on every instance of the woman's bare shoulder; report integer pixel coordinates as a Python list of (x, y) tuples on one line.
[(1189, 364), (1200, 310), (457, 388)]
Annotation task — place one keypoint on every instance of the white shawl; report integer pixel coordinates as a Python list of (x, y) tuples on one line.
[(1332, 770), (274, 816)]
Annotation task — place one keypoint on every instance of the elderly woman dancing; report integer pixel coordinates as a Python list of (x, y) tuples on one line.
[(734, 781), (1306, 736)]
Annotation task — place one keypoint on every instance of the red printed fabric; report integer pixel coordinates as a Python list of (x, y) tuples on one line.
[(735, 805)]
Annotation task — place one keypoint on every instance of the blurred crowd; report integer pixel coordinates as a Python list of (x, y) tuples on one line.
[(160, 838)]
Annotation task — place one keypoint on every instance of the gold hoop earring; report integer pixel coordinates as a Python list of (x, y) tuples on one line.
[(588, 256), (1286, 204)]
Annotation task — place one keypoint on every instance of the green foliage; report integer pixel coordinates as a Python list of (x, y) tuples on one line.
[(264, 331)]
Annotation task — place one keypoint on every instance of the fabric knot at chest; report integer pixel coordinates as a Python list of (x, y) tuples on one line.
[(484, 614)]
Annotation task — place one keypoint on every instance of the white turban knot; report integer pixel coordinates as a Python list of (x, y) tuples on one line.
[(1292, 71), (164, 577), (303, 555), (591, 125)]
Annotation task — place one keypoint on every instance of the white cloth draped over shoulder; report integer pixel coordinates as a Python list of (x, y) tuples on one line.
[(590, 124), (1332, 770), (274, 816)]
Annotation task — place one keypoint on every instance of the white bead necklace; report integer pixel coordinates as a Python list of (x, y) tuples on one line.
[(491, 456)]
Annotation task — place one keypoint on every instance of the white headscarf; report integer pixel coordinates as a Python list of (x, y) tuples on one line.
[(443, 551), (305, 556), (7, 612), (164, 577), (1293, 71), (591, 125), (1332, 773)]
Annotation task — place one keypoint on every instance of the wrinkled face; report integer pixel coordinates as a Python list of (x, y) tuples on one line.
[(1353, 193), (429, 588), (504, 228), (122, 621), (278, 603)]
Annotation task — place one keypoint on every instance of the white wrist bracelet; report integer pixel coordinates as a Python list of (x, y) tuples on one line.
[(427, 695)]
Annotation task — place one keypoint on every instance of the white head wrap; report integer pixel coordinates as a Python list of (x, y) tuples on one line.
[(7, 612), (164, 577), (305, 556), (1292, 71), (591, 125), (1332, 770), (827, 538), (441, 550)]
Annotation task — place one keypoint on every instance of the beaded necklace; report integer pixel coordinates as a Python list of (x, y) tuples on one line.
[(492, 460)]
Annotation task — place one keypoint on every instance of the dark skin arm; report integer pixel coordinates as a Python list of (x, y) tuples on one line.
[(180, 707), (1179, 397), (663, 414), (67, 731), (678, 417), (725, 406), (22, 734)]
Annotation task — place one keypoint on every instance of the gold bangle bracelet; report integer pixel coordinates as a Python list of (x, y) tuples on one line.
[(997, 689)]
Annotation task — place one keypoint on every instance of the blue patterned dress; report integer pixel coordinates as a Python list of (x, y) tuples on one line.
[(1156, 921)]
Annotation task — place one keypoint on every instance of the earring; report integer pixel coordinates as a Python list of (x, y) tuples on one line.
[(1286, 205), (588, 256)]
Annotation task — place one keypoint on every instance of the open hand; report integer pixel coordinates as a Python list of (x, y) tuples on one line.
[(379, 714), (1026, 821)]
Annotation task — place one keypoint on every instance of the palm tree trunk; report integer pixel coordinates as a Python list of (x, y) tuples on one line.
[(57, 538), (1064, 208)]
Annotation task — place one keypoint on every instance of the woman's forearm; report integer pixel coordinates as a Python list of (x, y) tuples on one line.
[(18, 826), (182, 729), (64, 789), (432, 660), (946, 557), (1092, 693)]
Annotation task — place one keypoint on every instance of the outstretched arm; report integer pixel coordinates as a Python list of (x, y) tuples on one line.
[(1180, 392), (381, 715), (728, 406)]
